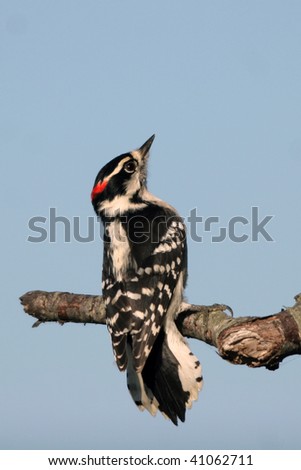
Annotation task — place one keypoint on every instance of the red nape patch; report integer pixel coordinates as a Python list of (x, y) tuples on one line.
[(98, 188)]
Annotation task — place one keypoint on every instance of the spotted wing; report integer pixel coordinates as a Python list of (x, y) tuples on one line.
[(136, 307)]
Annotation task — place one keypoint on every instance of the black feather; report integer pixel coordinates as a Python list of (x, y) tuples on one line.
[(161, 375)]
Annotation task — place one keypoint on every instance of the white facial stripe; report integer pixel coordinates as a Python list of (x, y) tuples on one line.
[(118, 168)]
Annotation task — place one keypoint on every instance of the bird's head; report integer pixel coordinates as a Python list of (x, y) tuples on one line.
[(121, 180)]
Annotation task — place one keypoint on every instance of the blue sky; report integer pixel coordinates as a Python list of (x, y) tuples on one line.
[(83, 81)]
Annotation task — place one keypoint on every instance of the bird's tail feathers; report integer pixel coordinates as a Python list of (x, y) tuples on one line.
[(141, 394), (171, 378), (189, 369)]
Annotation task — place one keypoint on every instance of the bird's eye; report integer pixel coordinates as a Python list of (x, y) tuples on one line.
[(130, 166)]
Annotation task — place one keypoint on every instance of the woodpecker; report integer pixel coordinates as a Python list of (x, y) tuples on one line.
[(143, 279)]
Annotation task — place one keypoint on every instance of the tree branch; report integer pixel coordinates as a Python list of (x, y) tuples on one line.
[(254, 341)]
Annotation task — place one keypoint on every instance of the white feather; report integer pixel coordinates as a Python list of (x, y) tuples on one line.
[(189, 367), (119, 250)]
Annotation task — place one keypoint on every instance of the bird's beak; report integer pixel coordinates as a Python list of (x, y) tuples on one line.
[(144, 149)]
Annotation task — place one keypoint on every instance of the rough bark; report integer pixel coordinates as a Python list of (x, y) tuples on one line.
[(254, 341)]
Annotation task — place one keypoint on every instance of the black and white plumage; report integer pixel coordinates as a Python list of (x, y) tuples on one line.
[(144, 275)]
